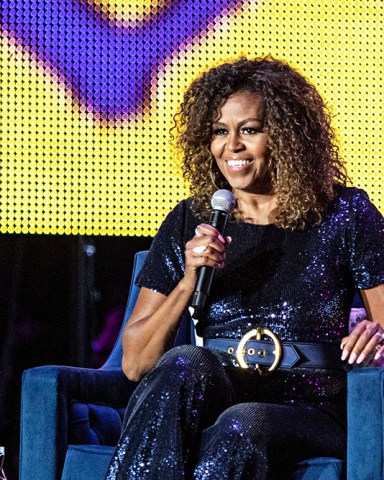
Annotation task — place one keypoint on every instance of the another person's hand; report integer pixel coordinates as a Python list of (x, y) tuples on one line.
[(365, 342), (206, 248)]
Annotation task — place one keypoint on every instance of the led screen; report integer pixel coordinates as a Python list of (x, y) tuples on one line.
[(90, 87)]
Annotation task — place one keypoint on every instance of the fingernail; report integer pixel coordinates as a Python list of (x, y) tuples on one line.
[(377, 356), (344, 355), (361, 358), (352, 358)]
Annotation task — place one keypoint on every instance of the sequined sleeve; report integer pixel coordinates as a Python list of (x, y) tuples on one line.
[(366, 238), (164, 265)]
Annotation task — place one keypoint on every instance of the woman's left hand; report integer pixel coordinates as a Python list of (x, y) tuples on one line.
[(365, 340)]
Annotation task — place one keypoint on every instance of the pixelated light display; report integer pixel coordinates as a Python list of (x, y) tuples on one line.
[(89, 89)]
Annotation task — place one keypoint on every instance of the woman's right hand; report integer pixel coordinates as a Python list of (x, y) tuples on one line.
[(206, 248), (153, 324)]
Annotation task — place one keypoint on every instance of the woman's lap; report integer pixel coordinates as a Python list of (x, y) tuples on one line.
[(189, 400)]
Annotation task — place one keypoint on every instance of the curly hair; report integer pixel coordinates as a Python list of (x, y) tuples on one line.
[(303, 159)]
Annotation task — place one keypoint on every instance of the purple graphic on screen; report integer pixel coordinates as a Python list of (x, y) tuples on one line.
[(106, 66)]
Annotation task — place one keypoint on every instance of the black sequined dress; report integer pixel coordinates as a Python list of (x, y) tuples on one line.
[(300, 284)]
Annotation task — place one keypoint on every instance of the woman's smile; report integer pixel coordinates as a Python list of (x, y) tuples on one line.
[(238, 164)]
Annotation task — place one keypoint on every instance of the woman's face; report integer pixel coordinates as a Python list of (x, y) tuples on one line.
[(239, 143)]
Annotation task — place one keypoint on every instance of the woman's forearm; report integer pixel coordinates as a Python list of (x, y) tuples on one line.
[(149, 335)]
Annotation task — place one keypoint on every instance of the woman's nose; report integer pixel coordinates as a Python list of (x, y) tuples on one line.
[(234, 143)]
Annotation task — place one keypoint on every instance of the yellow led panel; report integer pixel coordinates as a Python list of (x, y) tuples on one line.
[(90, 87)]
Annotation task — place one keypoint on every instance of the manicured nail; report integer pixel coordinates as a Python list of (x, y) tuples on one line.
[(377, 356), (344, 355), (361, 358), (352, 358)]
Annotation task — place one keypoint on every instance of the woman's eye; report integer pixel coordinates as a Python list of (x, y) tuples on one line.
[(219, 131), (250, 130)]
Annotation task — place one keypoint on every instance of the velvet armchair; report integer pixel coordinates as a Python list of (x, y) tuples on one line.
[(71, 418)]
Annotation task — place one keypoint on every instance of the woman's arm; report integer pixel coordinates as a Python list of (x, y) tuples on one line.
[(368, 336), (153, 324)]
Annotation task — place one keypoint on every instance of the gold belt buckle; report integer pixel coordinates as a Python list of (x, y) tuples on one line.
[(257, 333)]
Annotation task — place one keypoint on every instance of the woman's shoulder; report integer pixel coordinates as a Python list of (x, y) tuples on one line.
[(351, 192), (180, 219), (353, 203), (182, 209), (355, 197)]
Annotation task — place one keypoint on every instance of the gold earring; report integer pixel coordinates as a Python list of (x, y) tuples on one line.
[(211, 173)]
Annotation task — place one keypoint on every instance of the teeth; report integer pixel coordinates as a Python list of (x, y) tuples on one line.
[(238, 163)]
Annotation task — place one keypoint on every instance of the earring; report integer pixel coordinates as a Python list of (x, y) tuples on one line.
[(212, 174)]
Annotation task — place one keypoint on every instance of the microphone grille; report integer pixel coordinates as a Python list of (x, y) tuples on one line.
[(223, 200)]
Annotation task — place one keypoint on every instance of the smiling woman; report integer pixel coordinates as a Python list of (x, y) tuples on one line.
[(298, 246)]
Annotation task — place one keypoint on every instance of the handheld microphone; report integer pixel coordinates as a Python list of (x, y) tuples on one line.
[(223, 202)]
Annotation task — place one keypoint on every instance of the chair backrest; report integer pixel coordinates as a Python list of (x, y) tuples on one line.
[(184, 335)]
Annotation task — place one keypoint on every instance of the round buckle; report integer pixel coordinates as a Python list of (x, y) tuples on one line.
[(257, 333)]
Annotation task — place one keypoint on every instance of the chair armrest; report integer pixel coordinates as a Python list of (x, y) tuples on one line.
[(46, 395), (365, 456)]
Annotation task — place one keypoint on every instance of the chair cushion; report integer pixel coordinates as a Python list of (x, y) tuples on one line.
[(94, 424), (87, 462), (84, 462), (321, 468)]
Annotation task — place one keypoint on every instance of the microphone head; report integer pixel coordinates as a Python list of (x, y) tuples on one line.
[(223, 200)]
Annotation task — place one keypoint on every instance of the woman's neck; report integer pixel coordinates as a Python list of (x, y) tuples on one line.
[(259, 209)]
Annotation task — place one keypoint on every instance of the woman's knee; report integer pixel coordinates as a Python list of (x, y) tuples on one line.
[(189, 357), (196, 367), (246, 420)]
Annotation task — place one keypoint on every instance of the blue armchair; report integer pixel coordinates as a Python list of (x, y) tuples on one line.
[(71, 418)]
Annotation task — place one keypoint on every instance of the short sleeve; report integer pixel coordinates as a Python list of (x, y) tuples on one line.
[(366, 242), (164, 265)]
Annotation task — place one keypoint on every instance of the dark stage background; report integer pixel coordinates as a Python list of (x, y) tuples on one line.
[(57, 294)]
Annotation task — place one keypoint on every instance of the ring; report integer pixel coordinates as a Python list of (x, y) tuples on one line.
[(200, 249), (197, 233), (381, 335)]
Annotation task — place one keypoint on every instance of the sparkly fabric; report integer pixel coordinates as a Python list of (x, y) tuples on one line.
[(196, 416), (300, 284)]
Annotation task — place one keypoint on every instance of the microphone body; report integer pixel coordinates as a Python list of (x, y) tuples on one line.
[(223, 202)]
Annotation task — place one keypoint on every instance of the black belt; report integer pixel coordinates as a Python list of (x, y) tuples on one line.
[(292, 354)]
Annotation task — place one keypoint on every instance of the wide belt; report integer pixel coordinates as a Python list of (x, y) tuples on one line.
[(274, 354)]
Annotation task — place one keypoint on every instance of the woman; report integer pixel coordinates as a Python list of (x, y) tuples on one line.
[(297, 247)]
